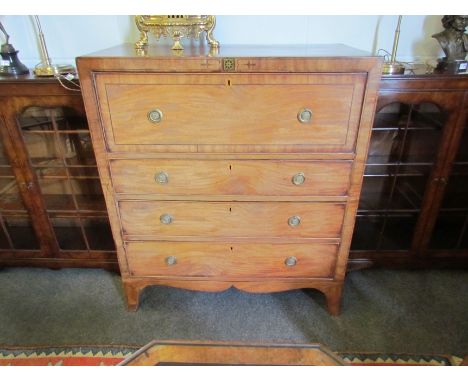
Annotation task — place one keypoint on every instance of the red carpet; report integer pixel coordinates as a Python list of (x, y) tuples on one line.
[(109, 356)]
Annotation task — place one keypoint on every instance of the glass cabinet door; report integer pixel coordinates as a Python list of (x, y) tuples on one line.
[(451, 227), (16, 231), (59, 147), (403, 148)]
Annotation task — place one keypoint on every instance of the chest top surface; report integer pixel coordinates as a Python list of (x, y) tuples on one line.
[(240, 58), (196, 51)]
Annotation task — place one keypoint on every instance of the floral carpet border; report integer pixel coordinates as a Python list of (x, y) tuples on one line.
[(112, 355)]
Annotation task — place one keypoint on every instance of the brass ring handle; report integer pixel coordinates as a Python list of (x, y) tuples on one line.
[(298, 179), (161, 177), (290, 261), (304, 115), (155, 116), (171, 260), (294, 221), (165, 219)]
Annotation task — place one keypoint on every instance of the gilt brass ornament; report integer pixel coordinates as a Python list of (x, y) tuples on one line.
[(176, 27)]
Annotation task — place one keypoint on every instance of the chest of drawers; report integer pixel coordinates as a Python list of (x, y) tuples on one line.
[(241, 169)]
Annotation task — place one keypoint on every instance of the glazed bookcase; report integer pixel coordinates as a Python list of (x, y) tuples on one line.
[(414, 204), (52, 212)]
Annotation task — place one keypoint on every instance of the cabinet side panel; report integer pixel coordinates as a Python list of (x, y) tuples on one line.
[(88, 88)]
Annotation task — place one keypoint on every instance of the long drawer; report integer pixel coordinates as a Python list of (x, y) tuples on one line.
[(231, 177), (195, 259), (232, 219), (231, 109)]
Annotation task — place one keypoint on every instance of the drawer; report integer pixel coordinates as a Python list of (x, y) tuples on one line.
[(231, 177), (319, 110), (196, 259), (232, 219)]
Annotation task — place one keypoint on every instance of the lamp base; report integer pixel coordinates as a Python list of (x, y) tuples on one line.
[(10, 64), (393, 68), (43, 70)]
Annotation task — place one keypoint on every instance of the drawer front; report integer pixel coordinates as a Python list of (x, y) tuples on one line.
[(231, 177), (232, 219), (252, 110), (196, 259)]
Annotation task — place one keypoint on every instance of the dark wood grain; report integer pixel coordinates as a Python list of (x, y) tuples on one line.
[(16, 95), (450, 94)]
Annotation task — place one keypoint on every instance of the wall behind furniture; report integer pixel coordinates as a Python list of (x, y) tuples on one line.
[(71, 36)]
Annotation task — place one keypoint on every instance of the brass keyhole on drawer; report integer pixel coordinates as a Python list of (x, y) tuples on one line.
[(298, 179), (166, 219), (155, 116), (171, 260), (294, 221), (304, 115), (290, 261), (162, 177)]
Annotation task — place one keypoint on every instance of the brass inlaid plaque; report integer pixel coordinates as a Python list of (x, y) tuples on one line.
[(229, 64)]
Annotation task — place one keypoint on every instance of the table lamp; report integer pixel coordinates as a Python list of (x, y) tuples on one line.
[(10, 64), (392, 66), (45, 68)]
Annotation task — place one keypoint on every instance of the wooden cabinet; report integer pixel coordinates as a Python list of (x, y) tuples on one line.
[(244, 175), (413, 210), (52, 212), (414, 205)]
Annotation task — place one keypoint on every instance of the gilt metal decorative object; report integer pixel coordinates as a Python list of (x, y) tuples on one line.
[(176, 27), (454, 43), (10, 64)]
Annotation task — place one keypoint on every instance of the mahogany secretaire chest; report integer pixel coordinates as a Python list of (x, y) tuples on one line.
[(237, 169)]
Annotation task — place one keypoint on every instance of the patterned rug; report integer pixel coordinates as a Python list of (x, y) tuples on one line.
[(110, 356)]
